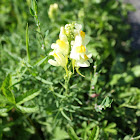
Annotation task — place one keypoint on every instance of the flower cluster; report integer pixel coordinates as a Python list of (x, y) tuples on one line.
[(71, 45)]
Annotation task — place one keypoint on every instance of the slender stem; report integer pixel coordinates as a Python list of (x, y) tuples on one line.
[(27, 44), (67, 85), (67, 79), (91, 78), (39, 31)]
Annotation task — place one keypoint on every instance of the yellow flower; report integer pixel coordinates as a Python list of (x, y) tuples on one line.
[(79, 51), (82, 34), (62, 44), (71, 45), (60, 60)]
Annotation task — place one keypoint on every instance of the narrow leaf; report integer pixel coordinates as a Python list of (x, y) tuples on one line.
[(43, 80), (78, 101), (35, 6), (59, 95), (41, 61), (95, 133), (6, 90), (72, 134), (106, 102), (27, 109), (62, 112), (27, 96), (32, 12)]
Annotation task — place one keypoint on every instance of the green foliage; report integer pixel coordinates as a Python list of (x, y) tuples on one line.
[(105, 103), (27, 109), (8, 101), (6, 91), (33, 99), (26, 96), (72, 134), (27, 44), (33, 8), (94, 133)]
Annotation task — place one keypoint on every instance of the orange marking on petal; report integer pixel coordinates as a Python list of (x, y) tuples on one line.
[(82, 34), (85, 56), (80, 49)]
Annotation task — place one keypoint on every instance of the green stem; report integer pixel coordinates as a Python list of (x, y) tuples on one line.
[(66, 71), (67, 79), (39, 31), (67, 85), (91, 78), (27, 44)]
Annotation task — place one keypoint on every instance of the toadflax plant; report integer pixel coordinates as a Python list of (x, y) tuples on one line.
[(71, 46), (70, 50), (69, 106)]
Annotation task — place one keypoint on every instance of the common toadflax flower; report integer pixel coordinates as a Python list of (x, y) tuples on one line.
[(70, 49)]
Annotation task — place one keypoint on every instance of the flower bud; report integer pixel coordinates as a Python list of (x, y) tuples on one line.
[(53, 11)]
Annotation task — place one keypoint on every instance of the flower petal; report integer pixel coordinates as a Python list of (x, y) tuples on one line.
[(52, 62)]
